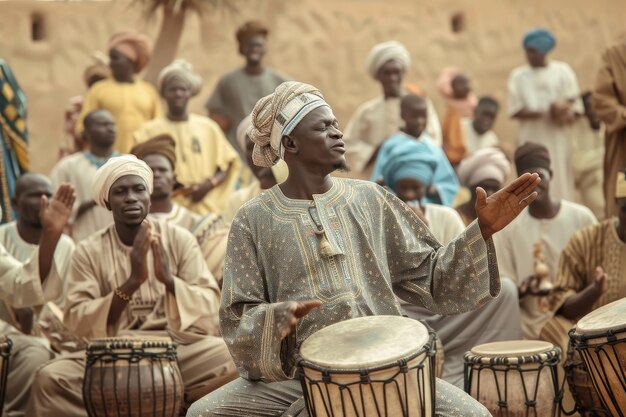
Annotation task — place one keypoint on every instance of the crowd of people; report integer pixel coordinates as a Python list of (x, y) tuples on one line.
[(227, 233)]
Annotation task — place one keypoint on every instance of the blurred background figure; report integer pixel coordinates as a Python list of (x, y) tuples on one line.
[(545, 98), (237, 92), (14, 135), (609, 104), (98, 70)]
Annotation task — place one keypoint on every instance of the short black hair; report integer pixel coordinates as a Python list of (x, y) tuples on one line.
[(411, 99), (488, 101), (91, 115)]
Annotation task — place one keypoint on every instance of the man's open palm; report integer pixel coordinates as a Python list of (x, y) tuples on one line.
[(55, 214), (499, 209)]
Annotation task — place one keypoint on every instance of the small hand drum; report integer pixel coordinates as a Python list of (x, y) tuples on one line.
[(516, 378), (5, 353), (600, 339), (370, 366), (132, 377)]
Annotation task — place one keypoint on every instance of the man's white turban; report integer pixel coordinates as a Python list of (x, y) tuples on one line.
[(116, 168), (277, 115), (484, 164), (384, 52), (183, 71)]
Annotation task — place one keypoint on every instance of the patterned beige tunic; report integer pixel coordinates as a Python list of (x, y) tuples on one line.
[(379, 248)]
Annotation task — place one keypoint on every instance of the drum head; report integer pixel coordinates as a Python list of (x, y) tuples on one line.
[(365, 342), (512, 348), (609, 317)]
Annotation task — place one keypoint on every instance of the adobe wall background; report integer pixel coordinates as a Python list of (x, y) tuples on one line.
[(323, 42)]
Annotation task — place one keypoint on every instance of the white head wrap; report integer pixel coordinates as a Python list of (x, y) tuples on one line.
[(183, 71), (116, 168), (384, 52), (484, 164), (277, 115)]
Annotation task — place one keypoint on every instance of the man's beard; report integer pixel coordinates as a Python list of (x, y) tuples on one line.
[(341, 166)]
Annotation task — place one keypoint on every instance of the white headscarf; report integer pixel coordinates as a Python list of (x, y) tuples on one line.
[(384, 52), (116, 168), (484, 164), (277, 115), (180, 70)]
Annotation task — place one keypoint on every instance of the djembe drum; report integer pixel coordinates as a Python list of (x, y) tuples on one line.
[(369, 366), (5, 353), (516, 378), (600, 339), (132, 377), (587, 400)]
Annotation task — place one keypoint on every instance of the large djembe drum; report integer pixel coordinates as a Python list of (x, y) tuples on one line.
[(132, 377), (5, 353), (588, 403), (515, 378), (600, 339), (370, 366)]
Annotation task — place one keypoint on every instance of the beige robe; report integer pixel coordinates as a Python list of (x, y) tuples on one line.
[(20, 286), (201, 151), (536, 89), (211, 232), (609, 103), (372, 123), (178, 216), (101, 263), (78, 170), (514, 246), (476, 141), (239, 198)]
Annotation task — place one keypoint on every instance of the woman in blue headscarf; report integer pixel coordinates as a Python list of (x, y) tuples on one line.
[(14, 136)]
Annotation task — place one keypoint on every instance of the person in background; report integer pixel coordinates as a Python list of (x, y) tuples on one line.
[(591, 272), (98, 70), (208, 166), (414, 113), (545, 98), (26, 285), (14, 136), (537, 235), (377, 119), (79, 169), (21, 240), (131, 100), (266, 178), (588, 134), (456, 88), (159, 153), (237, 92), (487, 168), (609, 104), (407, 171), (477, 131)]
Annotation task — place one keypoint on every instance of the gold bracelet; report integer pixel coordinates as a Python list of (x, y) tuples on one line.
[(120, 294)]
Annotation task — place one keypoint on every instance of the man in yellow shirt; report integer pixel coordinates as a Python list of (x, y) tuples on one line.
[(208, 166), (131, 101)]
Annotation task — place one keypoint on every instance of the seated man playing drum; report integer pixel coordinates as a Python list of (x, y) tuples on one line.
[(316, 250), (591, 272), (136, 278)]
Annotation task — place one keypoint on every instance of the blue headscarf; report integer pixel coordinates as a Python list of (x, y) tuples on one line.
[(409, 159), (539, 39)]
